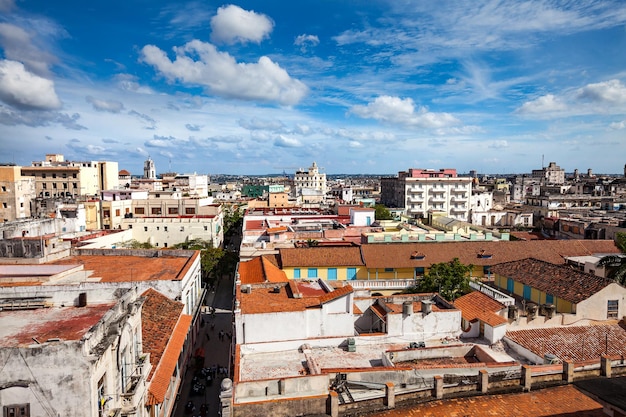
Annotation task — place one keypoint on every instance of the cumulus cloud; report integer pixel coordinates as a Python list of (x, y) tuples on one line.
[(354, 144), (607, 92), (403, 111), (306, 41), (618, 125), (18, 45), (222, 75), (25, 90), (285, 142), (111, 106), (544, 104), (233, 24), (193, 128), (89, 150)]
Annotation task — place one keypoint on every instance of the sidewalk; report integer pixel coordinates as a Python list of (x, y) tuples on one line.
[(216, 351)]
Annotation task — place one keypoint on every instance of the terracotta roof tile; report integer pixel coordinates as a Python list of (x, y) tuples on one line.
[(321, 256), (398, 255), (279, 229), (260, 269), (574, 343), (561, 281), (479, 306), (128, 268), (292, 296), (164, 330)]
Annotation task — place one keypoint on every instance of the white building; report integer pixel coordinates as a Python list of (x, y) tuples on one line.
[(310, 179)]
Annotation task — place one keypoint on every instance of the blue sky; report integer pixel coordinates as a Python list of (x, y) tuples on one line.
[(258, 87)]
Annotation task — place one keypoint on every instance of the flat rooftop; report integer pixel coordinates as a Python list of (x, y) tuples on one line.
[(20, 328)]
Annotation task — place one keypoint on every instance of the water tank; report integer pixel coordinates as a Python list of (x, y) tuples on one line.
[(427, 306), (82, 299), (407, 308), (549, 309), (513, 312)]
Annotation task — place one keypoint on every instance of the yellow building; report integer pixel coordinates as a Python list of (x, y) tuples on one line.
[(16, 194)]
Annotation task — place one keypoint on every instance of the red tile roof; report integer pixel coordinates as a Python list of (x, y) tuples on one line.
[(398, 255), (574, 343), (321, 257), (558, 401), (479, 306), (561, 281), (164, 330), (128, 268), (293, 296), (254, 225), (261, 269)]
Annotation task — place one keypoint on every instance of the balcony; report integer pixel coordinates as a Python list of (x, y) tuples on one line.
[(438, 198), (134, 393), (416, 198), (459, 208), (381, 284), (459, 190)]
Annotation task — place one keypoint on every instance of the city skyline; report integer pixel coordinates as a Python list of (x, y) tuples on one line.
[(359, 87)]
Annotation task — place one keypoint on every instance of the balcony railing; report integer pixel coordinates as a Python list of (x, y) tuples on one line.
[(493, 293), (135, 388), (381, 284)]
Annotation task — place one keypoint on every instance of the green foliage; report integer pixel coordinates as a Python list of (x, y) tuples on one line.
[(232, 218), (449, 279), (135, 244), (194, 244), (616, 264), (382, 213), (312, 243)]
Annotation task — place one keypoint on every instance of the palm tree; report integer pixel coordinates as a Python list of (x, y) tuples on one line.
[(616, 264)]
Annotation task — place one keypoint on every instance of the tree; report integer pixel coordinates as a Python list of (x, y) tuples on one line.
[(616, 264), (312, 243), (382, 213), (135, 244), (232, 218), (449, 279)]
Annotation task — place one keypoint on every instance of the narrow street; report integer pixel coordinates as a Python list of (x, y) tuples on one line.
[(216, 350)]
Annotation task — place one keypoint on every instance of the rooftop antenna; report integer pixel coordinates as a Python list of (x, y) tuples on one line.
[(542, 164)]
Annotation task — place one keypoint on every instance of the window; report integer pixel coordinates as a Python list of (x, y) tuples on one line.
[(4, 189), (351, 273), (311, 273), (206, 228), (296, 273), (549, 299), (172, 210), (419, 271), (117, 212), (145, 228), (106, 213), (43, 175), (190, 210), (74, 185), (612, 309), (388, 269), (16, 410), (4, 205), (54, 175), (54, 185), (527, 291), (44, 185), (332, 274), (156, 210), (74, 175), (139, 210), (165, 228)]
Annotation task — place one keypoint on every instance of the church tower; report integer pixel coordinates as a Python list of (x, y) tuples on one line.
[(149, 172)]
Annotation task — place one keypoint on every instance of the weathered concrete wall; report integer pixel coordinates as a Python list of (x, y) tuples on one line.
[(292, 407)]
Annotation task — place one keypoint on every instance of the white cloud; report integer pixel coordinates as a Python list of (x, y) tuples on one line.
[(609, 92), (111, 106), (261, 124), (18, 45), (354, 144), (542, 105), (285, 142), (233, 24), (306, 41), (222, 75), (403, 111), (618, 125), (25, 90), (499, 144)]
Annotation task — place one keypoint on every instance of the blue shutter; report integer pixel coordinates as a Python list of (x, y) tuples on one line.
[(296, 273), (332, 274)]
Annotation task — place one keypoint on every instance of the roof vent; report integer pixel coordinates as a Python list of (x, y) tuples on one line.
[(245, 289), (276, 290), (427, 306)]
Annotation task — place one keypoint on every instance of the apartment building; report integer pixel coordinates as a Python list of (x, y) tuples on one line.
[(311, 179), (16, 194), (423, 191), (57, 178), (552, 174)]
